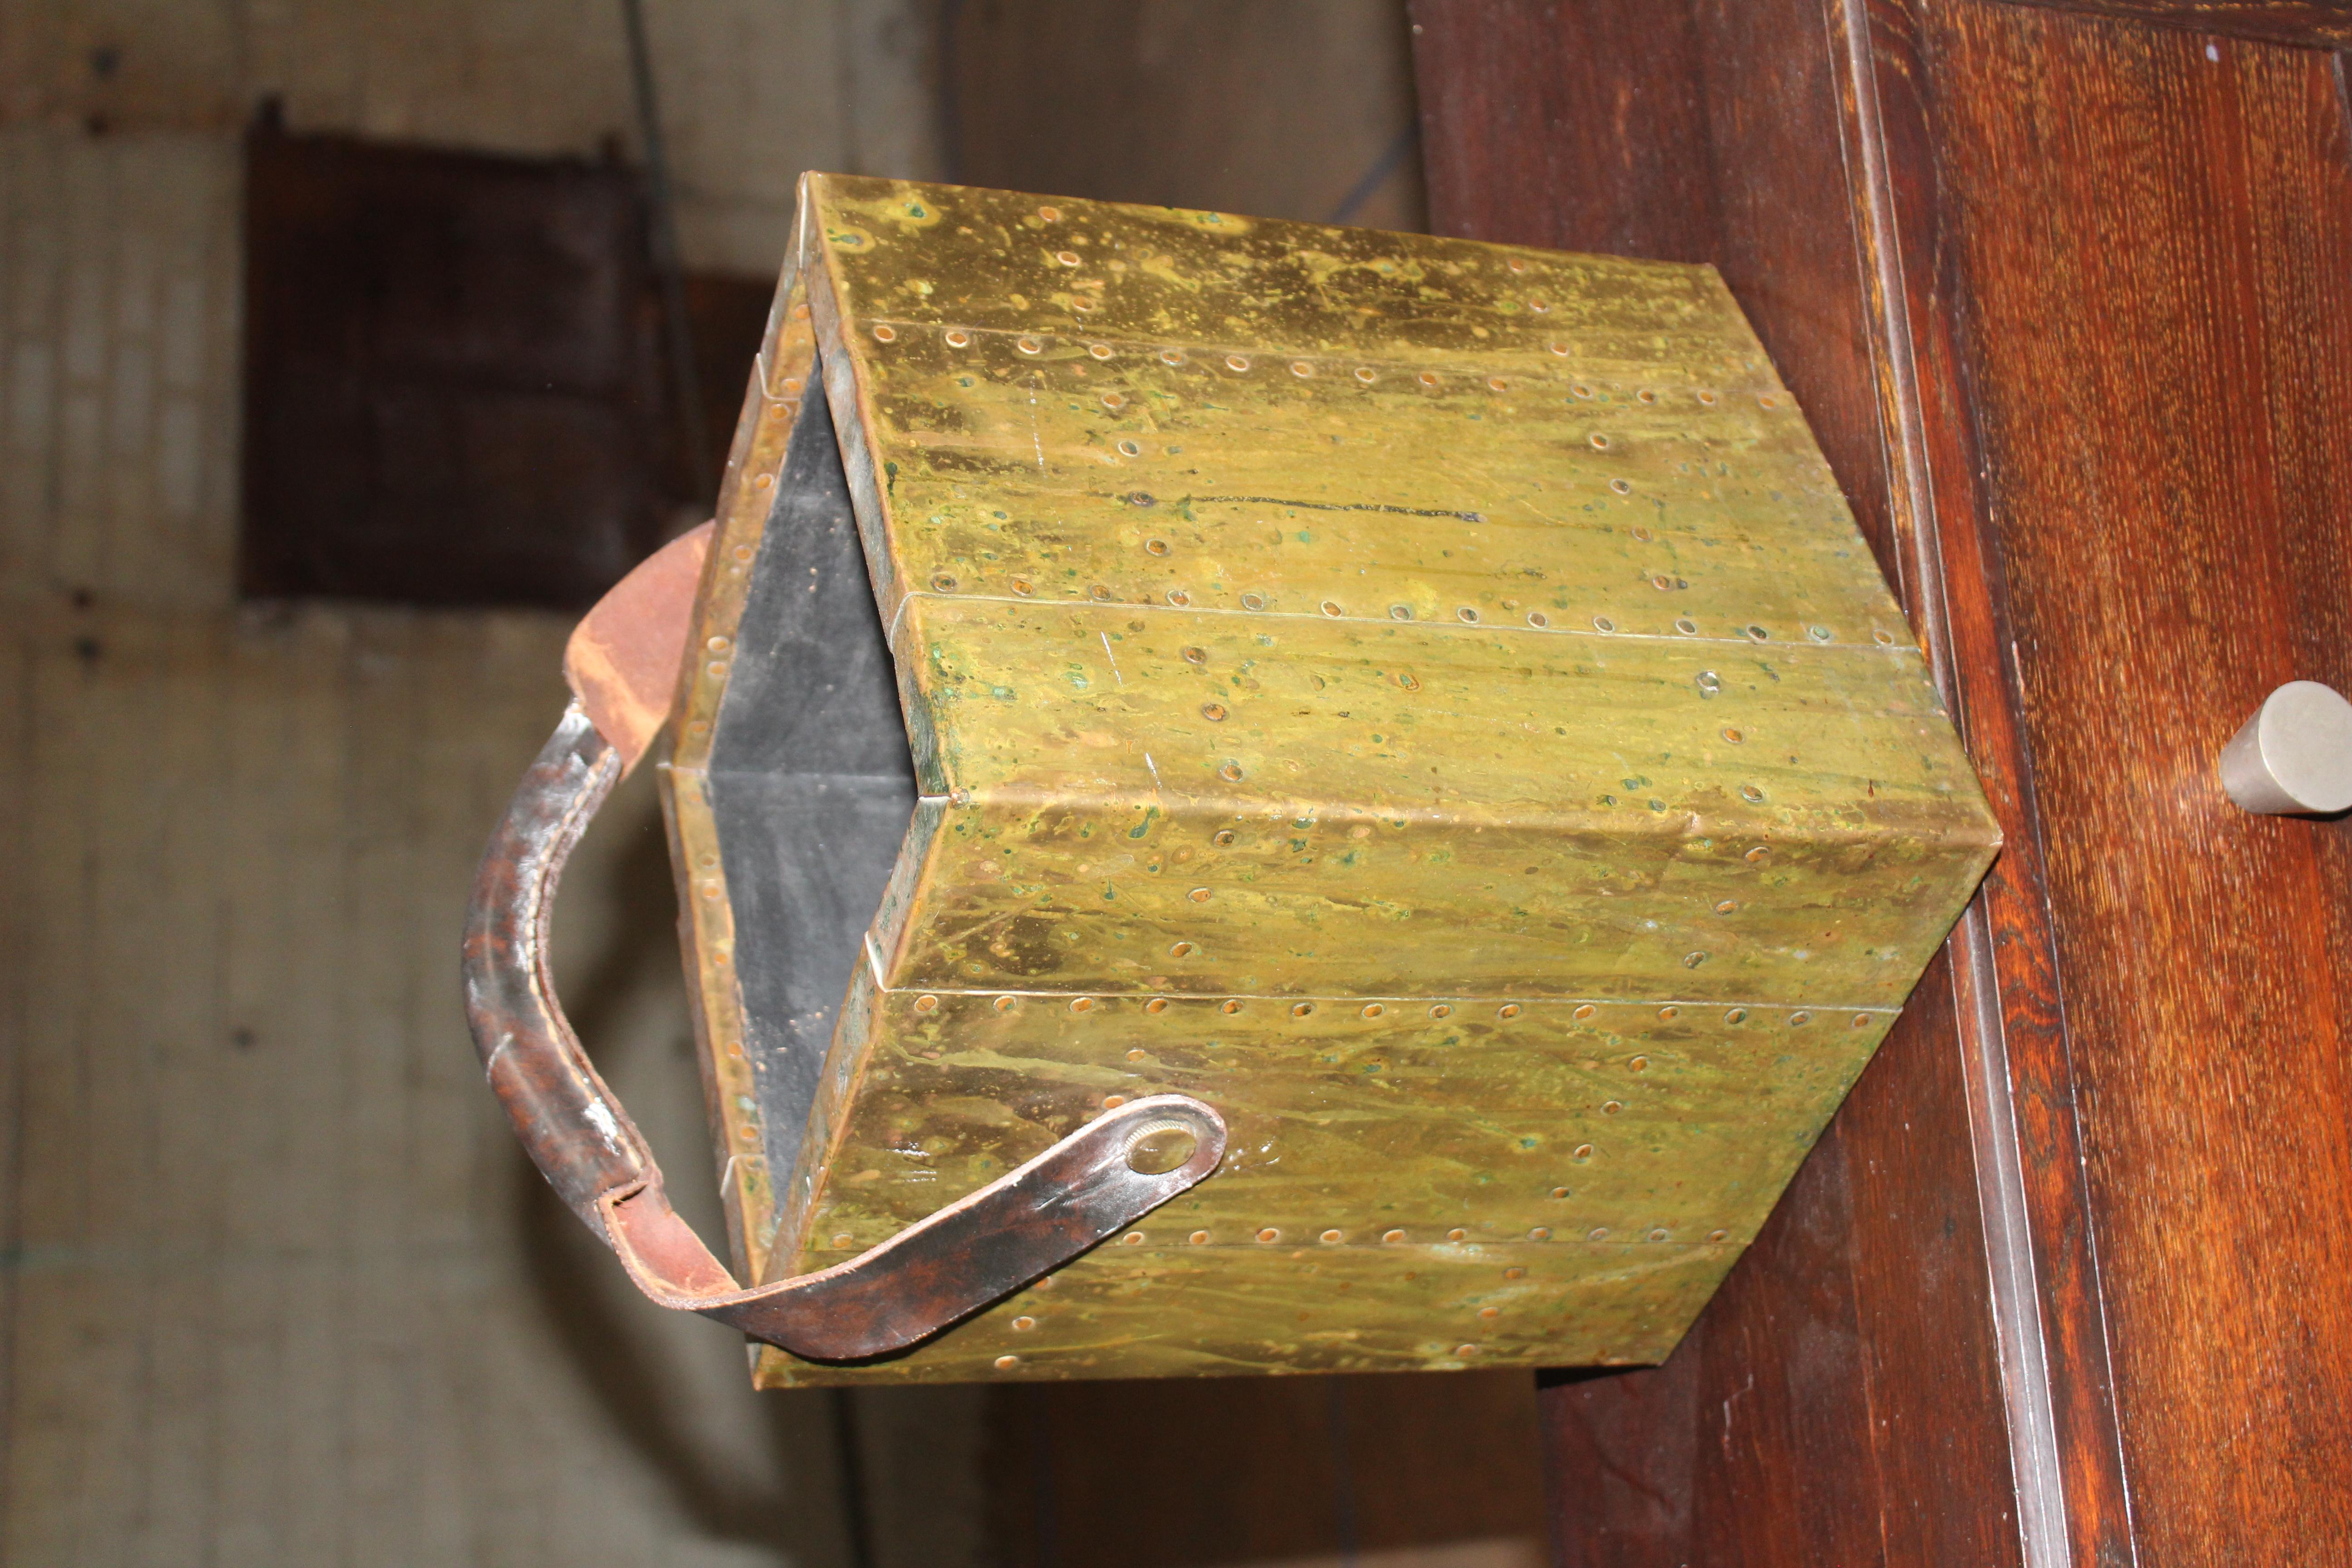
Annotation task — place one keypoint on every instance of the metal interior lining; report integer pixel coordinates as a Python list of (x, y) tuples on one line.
[(810, 781)]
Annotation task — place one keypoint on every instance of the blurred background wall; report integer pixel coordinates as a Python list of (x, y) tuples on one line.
[(278, 1286)]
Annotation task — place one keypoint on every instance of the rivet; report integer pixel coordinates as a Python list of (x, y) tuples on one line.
[(1645, 396), (1113, 1102), (1007, 1362), (1180, 950), (1669, 1013), (743, 553), (709, 889), (1706, 397), (1253, 601), (1231, 772), (1129, 449), (1199, 895), (1658, 1235), (1427, 378), (1559, 1191), (1611, 1107), (1006, 1003), (1172, 356), (1393, 1237), (1230, 1006), (1330, 607), (1599, 441), (1441, 1011), (1537, 619), (1193, 655), (1199, 1238), (1178, 597), (1066, 257), (1132, 1238), (1497, 383), (1299, 367), (1685, 625), (1221, 836), (1735, 1015), (1757, 633), (1862, 1020), (845, 1239), (1709, 682), (698, 727), (1663, 582), (1733, 735), (1751, 794), (1457, 1235), (1373, 1010), (1692, 959), (1623, 487), (927, 1004), (1558, 348), (1331, 1238), (1051, 215), (1540, 1233), (1027, 345), (1465, 1351), (1400, 612), (751, 1135), (1580, 1153), (1100, 591), (958, 338), (1515, 265), (1757, 853), (1238, 361), (1082, 1004), (1604, 623), (1725, 906), (1579, 389), (1024, 1323), (1718, 1235), (1155, 546), (1490, 1311), (943, 584), (1584, 1010), (885, 333), (1113, 400), (1021, 585), (1136, 1055), (735, 1049), (1156, 1005), (761, 481), (1466, 614), (1301, 1009), (1766, 401), (1818, 634), (1269, 1236), (1799, 1019), (717, 645), (1639, 1064), (1880, 638), (1598, 1233), (1100, 351), (1364, 374), (1507, 1010)]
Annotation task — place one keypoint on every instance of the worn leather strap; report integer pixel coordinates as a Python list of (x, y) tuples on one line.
[(1026, 1223)]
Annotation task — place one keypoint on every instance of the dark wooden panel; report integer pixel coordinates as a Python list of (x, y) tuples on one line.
[(2321, 24), (1193, 1472), (1844, 1382), (451, 391), (2155, 241)]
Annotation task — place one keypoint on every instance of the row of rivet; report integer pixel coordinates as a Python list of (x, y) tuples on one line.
[(928, 1002), (947, 582), (1303, 369)]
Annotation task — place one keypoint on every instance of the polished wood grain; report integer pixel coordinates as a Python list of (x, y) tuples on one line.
[(2154, 238), (2315, 24)]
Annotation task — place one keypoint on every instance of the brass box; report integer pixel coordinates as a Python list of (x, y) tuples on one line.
[(1428, 699)]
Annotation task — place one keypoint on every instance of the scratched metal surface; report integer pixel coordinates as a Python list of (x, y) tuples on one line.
[(1428, 699)]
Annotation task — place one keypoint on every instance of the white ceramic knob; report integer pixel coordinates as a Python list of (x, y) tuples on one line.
[(2295, 755)]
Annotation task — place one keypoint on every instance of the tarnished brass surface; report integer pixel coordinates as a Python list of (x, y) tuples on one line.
[(1427, 700)]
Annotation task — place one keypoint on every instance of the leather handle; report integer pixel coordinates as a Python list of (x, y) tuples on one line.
[(1090, 1184)]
